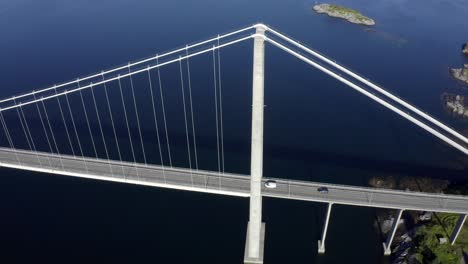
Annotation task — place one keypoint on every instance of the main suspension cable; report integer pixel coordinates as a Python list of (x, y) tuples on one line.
[(136, 63)]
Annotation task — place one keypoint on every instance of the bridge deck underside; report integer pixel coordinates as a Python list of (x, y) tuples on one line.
[(227, 184)]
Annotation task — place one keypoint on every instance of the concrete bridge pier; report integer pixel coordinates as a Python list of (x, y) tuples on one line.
[(321, 243), (255, 236), (255, 260), (457, 229), (387, 245)]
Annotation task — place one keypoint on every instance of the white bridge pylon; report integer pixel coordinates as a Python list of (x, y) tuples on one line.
[(42, 135)]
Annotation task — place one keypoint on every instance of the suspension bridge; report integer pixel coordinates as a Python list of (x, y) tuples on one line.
[(69, 129)]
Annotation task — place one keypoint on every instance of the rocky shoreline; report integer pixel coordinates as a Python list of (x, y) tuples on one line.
[(350, 15), (407, 183), (460, 74), (411, 243)]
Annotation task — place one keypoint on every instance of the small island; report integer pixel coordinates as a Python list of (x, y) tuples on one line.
[(465, 48), (351, 15), (455, 104), (460, 74)]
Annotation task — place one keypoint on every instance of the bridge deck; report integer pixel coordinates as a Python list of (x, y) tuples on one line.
[(227, 184)]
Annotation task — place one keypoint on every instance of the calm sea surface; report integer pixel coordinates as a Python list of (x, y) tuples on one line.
[(315, 128)]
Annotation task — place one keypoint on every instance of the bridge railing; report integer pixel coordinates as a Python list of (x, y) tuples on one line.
[(123, 169), (231, 184)]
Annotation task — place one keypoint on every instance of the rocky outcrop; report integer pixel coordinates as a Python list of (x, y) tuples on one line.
[(460, 74), (465, 48), (456, 104), (415, 184), (402, 249), (351, 15), (385, 182)]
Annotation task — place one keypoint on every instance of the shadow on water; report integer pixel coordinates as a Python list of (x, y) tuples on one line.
[(391, 38), (365, 163), (352, 162)]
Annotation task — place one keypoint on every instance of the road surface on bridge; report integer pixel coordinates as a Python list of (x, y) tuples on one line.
[(227, 183)]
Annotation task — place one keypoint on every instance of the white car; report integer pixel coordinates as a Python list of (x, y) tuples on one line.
[(270, 184)]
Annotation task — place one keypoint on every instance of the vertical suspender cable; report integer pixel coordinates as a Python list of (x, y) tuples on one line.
[(191, 109), (22, 125), (8, 136), (221, 108), (216, 107), (87, 122), (128, 127), (52, 133), (185, 119), (156, 125), (137, 116), (216, 110), (7, 132), (164, 114), (65, 124), (30, 136), (45, 131), (102, 131), (113, 126), (76, 131)]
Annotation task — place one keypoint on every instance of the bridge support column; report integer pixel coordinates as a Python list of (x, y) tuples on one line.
[(458, 227), (387, 245), (321, 243), (248, 259), (254, 236)]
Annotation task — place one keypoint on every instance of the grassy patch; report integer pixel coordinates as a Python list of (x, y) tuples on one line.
[(344, 11), (462, 239), (448, 221), (464, 73)]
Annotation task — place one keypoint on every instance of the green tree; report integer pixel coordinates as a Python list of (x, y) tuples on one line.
[(429, 247)]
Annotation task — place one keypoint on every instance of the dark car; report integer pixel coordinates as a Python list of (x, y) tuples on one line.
[(322, 190)]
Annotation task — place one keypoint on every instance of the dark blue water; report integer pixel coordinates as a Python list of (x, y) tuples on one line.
[(315, 128)]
